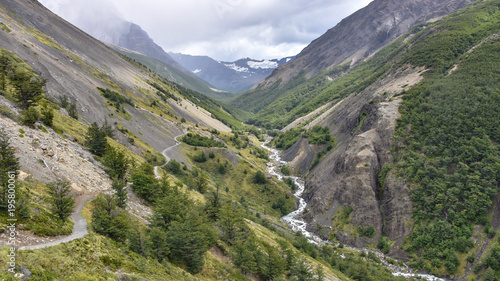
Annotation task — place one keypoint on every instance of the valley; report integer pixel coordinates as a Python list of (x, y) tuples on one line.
[(371, 155)]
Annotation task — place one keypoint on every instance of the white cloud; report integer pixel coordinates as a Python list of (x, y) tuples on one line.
[(226, 29)]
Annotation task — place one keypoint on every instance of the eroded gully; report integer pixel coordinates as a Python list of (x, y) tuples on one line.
[(297, 224)]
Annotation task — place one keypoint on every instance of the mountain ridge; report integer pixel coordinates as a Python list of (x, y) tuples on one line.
[(236, 76), (344, 46)]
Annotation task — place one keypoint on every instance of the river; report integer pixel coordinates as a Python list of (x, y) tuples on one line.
[(294, 221)]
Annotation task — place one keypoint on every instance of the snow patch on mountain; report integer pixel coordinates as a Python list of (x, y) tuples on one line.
[(236, 68), (196, 71), (265, 64)]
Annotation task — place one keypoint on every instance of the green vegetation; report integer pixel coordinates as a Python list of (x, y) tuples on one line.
[(116, 98), (287, 139), (95, 140), (61, 202), (449, 131), (8, 163), (318, 135), (198, 140)]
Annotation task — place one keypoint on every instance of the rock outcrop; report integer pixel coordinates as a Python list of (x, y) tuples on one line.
[(348, 177)]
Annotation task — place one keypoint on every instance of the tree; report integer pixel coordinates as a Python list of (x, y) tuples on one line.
[(214, 204), (172, 207), (120, 188), (116, 163), (243, 257), (302, 271), (157, 245), (28, 89), (232, 224), (144, 182), (222, 169), (489, 275), (136, 240), (5, 66), (108, 219), (270, 264), (173, 167), (202, 182), (29, 117), (62, 203), (107, 129), (9, 166), (95, 140), (189, 239)]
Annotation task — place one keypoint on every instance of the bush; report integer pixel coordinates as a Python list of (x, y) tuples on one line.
[(173, 167), (367, 231), (47, 116), (29, 117), (197, 140), (285, 170), (200, 157), (259, 178), (382, 245)]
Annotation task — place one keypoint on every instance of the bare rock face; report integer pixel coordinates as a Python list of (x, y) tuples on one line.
[(138, 40), (361, 34), (344, 191)]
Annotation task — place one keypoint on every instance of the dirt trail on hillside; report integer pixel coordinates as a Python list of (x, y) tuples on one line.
[(79, 228)]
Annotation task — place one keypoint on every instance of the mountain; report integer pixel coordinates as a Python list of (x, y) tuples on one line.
[(400, 152), (237, 76), (105, 24), (354, 39)]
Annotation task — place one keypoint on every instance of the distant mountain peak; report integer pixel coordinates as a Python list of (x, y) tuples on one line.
[(235, 76)]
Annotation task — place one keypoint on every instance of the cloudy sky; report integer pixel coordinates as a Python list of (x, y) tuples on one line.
[(222, 29)]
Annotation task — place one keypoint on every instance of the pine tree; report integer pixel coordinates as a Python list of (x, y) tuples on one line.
[(120, 188), (202, 182), (107, 129), (8, 163), (189, 239), (108, 219), (243, 257), (5, 66), (95, 140), (62, 203), (28, 89), (116, 163), (157, 243)]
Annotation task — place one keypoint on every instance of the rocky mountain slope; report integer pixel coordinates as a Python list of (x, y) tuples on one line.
[(237, 76), (354, 39), (105, 24), (75, 64)]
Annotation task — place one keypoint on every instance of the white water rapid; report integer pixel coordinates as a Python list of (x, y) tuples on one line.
[(297, 225)]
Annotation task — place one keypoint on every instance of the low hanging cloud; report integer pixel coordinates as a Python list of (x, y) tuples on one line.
[(222, 29)]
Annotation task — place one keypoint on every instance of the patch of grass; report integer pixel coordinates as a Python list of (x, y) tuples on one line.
[(5, 27)]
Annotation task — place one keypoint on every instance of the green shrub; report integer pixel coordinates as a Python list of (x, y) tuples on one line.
[(198, 140), (29, 117), (259, 178)]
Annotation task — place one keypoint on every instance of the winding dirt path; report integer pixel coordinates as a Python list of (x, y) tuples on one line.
[(164, 152), (79, 228)]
